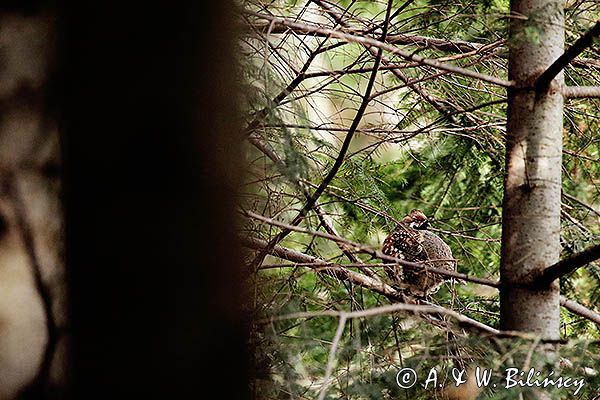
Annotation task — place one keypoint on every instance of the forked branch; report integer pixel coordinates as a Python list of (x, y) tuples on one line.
[(341, 272), (306, 28), (361, 248), (312, 200)]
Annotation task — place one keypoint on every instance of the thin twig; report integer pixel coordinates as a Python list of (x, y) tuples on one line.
[(331, 358), (376, 253), (336, 165), (413, 84), (266, 148), (428, 42), (297, 26), (396, 307), (335, 270), (377, 286), (581, 203)]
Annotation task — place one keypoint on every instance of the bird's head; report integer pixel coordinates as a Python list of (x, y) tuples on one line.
[(416, 220)]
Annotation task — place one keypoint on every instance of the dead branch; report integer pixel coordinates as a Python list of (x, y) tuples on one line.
[(435, 103), (428, 42), (312, 200), (341, 271), (375, 253), (264, 147), (581, 203), (387, 309), (374, 284), (306, 28), (580, 310), (581, 92), (568, 265), (543, 81), (335, 270)]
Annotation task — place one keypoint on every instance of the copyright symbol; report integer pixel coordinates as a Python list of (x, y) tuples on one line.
[(406, 378)]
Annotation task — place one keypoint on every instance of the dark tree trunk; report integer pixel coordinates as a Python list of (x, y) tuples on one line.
[(151, 149)]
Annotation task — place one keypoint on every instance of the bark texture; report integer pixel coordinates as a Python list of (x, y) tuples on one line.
[(531, 214)]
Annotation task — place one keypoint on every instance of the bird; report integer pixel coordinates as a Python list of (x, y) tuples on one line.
[(412, 241)]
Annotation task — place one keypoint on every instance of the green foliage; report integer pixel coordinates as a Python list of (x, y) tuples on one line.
[(442, 153)]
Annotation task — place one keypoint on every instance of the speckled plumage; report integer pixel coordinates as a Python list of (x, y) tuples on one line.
[(411, 241)]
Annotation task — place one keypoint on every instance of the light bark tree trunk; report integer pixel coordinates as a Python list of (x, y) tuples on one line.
[(531, 212)]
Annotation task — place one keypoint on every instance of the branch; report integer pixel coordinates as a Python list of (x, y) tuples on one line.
[(450, 46), (266, 149), (580, 92), (581, 203), (376, 253), (388, 309), (332, 231), (305, 28), (568, 265), (375, 285), (339, 18), (331, 357), (372, 284), (312, 200), (580, 310), (334, 270), (543, 81), (300, 76), (340, 272)]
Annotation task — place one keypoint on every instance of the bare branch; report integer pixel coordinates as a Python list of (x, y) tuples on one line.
[(264, 147), (415, 308), (377, 286), (312, 200), (388, 309), (568, 265), (583, 204), (428, 42), (580, 310), (332, 231), (441, 108), (376, 253), (335, 270), (305, 28), (331, 358), (580, 92), (300, 76), (543, 81)]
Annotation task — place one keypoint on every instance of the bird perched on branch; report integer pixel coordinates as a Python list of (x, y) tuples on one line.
[(411, 241)]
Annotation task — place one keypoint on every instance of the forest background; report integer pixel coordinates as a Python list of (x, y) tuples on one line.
[(377, 134)]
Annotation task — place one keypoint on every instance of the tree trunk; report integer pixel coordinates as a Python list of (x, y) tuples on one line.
[(531, 213), (151, 173)]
